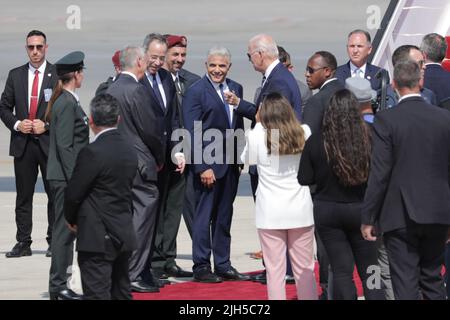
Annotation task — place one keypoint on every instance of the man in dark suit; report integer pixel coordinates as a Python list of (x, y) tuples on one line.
[(22, 109), (359, 47), (161, 89), (215, 167), (98, 206), (408, 193), (138, 126), (175, 60), (437, 79), (263, 54), (172, 198), (413, 53), (320, 74)]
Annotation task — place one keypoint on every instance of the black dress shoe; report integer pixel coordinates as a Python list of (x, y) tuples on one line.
[(206, 276), (68, 294), (159, 273), (177, 272), (233, 274), (21, 249), (259, 277), (141, 286), (48, 253), (289, 279)]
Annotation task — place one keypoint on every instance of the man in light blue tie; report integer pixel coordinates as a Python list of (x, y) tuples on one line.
[(216, 171)]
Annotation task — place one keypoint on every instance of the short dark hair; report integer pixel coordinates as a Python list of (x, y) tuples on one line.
[(283, 55), (402, 53), (434, 46), (105, 110), (407, 74), (364, 32), (37, 33), (328, 58)]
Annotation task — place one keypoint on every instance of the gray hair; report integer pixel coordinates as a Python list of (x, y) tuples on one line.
[(360, 31), (129, 56), (434, 46), (407, 74), (219, 51), (153, 37), (105, 110), (265, 43)]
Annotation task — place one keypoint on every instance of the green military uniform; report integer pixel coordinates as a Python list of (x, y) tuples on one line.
[(69, 133)]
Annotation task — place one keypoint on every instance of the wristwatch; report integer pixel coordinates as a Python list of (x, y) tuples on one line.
[(47, 126)]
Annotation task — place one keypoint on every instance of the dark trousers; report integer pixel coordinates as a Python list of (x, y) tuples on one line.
[(104, 276), (171, 207), (416, 255), (26, 169), (62, 241), (447, 269), (338, 225), (145, 210), (212, 222), (190, 200)]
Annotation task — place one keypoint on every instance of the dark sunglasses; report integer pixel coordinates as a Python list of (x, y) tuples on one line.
[(312, 70), (38, 47), (249, 55)]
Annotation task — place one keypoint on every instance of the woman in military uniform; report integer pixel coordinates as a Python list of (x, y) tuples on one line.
[(69, 133)]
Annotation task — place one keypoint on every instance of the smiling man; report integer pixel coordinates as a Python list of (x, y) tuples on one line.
[(359, 47), (214, 181)]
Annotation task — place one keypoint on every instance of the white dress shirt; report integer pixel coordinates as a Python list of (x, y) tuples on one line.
[(353, 69), (160, 86), (225, 89)]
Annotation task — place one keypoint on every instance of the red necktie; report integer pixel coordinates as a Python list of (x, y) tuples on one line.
[(34, 96)]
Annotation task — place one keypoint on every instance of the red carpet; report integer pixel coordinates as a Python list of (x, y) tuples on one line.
[(229, 290)]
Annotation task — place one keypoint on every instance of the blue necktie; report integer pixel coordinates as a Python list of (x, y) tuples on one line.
[(157, 92), (227, 106)]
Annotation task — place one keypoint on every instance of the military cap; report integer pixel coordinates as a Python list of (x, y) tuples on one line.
[(70, 63), (361, 89), (175, 41), (116, 59)]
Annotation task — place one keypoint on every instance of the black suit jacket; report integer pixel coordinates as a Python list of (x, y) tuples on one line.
[(98, 196), (343, 72), (409, 175), (437, 79), (166, 114), (139, 124), (317, 104), (14, 105)]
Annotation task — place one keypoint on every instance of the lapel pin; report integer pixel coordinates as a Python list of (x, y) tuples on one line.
[(368, 77), (49, 75)]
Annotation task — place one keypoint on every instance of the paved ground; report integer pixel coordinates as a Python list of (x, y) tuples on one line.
[(302, 27)]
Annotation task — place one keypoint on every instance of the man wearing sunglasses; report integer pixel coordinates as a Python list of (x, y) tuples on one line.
[(22, 109), (320, 74)]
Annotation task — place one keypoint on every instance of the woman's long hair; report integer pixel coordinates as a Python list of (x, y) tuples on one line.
[(285, 135), (346, 139), (65, 78)]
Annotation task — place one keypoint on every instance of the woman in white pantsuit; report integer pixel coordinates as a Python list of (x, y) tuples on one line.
[(284, 209)]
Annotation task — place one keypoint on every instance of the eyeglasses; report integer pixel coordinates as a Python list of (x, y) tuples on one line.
[(38, 47), (312, 70), (249, 55)]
